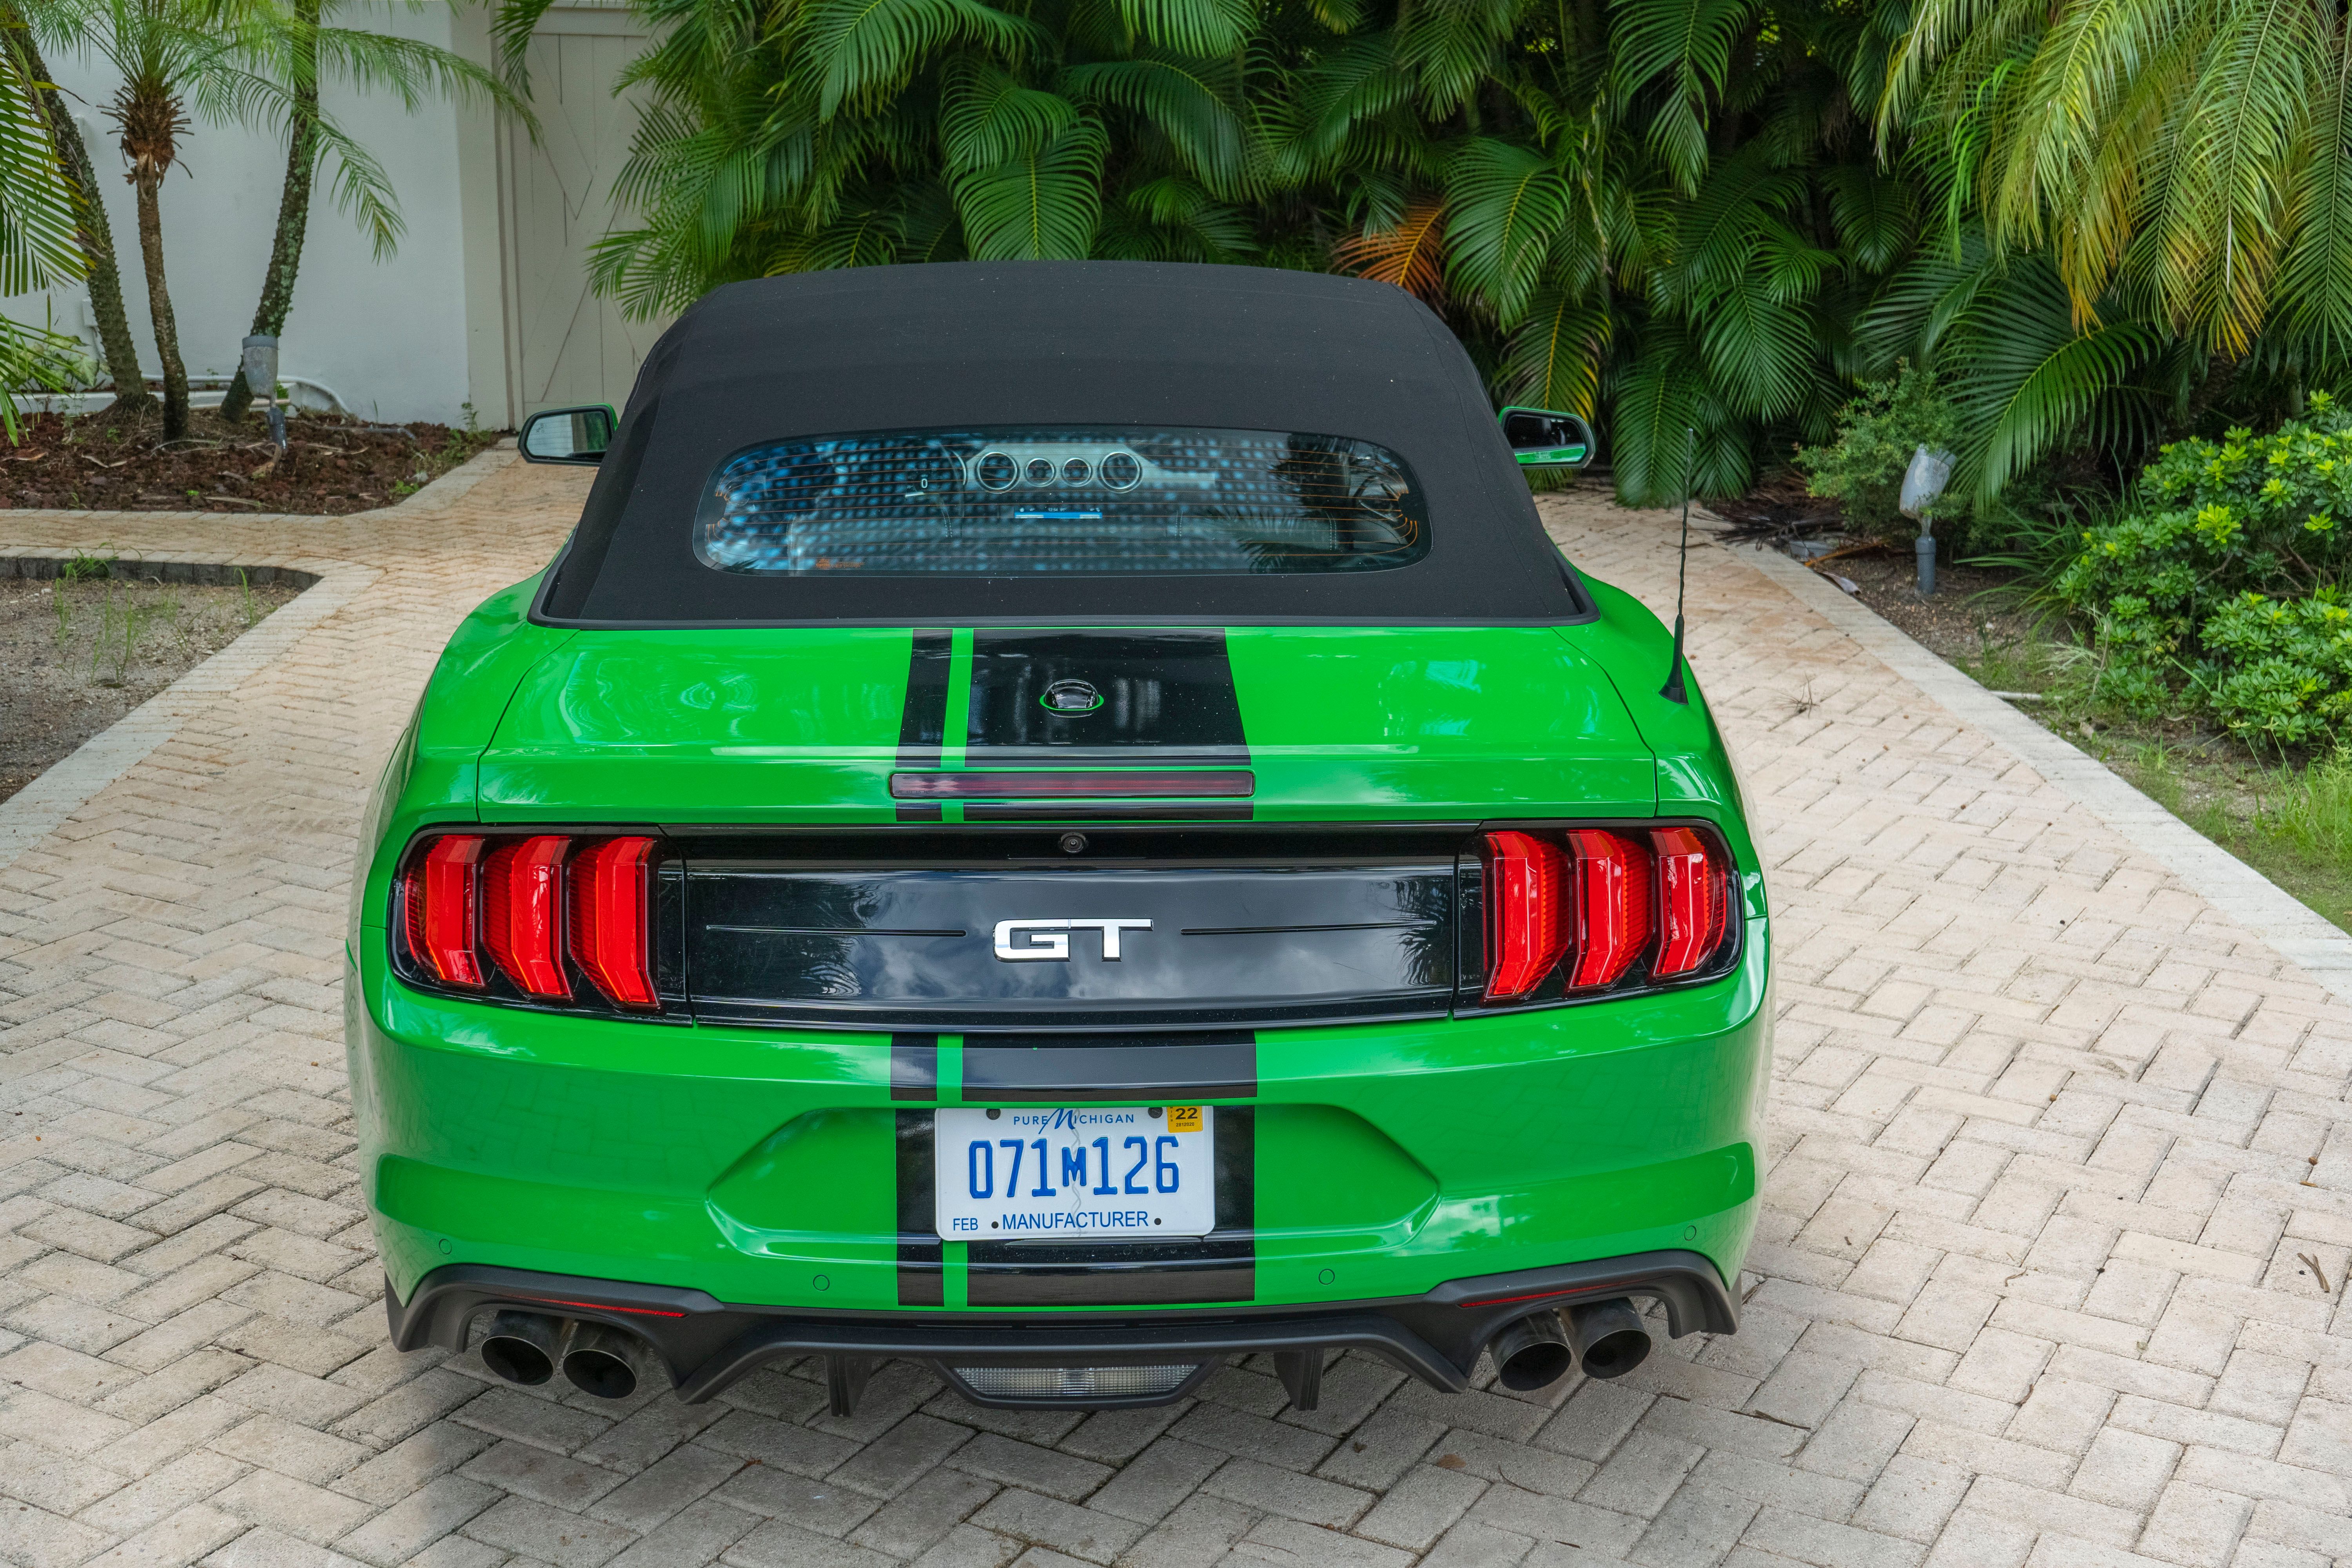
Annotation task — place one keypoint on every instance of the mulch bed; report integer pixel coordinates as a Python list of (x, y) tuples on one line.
[(101, 462)]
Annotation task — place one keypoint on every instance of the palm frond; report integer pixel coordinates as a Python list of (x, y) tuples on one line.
[(2029, 379), (1873, 213), (1506, 204), (33, 356), (1198, 27), (857, 48), (2314, 277), (1687, 43), (1671, 435), (988, 118), (1554, 357), (1450, 46), (1039, 204), (1195, 105), (37, 220), (1411, 254)]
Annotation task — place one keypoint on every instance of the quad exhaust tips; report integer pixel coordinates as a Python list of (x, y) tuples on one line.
[(1609, 1338), (526, 1348)]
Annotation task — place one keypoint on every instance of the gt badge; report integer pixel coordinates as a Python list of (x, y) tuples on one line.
[(1050, 939)]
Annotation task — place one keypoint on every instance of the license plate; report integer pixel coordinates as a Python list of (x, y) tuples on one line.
[(1092, 1171)]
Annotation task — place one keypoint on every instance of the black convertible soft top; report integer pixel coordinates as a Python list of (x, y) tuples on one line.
[(1057, 343)]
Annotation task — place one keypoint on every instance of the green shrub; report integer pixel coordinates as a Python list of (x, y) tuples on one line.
[(2281, 669), (2219, 585), (1878, 431)]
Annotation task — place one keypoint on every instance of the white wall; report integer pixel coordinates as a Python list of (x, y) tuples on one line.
[(389, 336)]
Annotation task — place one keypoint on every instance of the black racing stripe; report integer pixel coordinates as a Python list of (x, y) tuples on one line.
[(914, 1067), (922, 1262), (923, 725), (1057, 1069), (1220, 1267), (1167, 697)]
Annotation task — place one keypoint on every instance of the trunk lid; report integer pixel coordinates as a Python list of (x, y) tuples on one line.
[(807, 727)]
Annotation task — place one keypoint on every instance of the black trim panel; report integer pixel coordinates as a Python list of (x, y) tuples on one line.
[(1057, 1069), (708, 1344)]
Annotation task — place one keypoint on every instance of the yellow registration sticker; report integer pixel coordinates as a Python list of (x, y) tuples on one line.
[(1184, 1119)]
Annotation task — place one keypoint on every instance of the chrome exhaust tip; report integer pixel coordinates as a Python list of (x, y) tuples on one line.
[(603, 1361), (522, 1347), (1610, 1339), (1531, 1353)]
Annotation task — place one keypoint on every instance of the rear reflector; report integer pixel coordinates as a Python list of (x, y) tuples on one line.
[(522, 912), (1694, 901), (1524, 877), (440, 910), (612, 938), (1612, 905)]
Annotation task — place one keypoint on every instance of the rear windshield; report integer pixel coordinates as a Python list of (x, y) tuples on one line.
[(1094, 501)]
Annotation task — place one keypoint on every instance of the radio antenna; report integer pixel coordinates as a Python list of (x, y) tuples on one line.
[(1673, 689)]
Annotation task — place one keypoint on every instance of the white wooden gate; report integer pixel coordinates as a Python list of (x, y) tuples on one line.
[(566, 344)]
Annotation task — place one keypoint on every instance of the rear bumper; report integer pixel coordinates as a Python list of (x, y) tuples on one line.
[(705, 1344)]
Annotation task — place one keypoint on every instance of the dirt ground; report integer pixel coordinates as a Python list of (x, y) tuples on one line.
[(76, 657), (1970, 609), (331, 465)]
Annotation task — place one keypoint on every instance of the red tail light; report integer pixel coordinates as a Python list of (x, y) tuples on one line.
[(440, 910), (612, 918), (1612, 905), (522, 912), (1602, 901), (1694, 901), (1524, 875), (538, 913)]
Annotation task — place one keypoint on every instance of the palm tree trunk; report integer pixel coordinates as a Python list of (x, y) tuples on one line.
[(149, 182), (293, 215), (95, 236)]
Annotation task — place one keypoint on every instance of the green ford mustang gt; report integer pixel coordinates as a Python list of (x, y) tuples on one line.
[(1061, 821)]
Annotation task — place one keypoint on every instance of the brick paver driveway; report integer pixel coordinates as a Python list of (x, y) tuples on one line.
[(2059, 1208)]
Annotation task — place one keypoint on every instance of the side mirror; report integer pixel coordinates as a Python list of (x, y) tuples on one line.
[(568, 434), (1540, 439)]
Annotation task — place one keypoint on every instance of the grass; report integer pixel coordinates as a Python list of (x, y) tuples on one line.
[(2291, 820)]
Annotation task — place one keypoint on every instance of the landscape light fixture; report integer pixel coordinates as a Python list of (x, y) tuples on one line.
[(1923, 482), (261, 380)]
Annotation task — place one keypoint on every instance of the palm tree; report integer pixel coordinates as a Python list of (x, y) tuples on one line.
[(2161, 191), (157, 44), (301, 52), (94, 236)]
